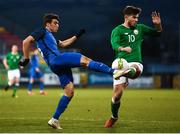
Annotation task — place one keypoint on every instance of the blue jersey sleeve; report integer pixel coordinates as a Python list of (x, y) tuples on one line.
[(38, 34)]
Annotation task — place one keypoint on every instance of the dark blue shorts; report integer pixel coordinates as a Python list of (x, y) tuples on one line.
[(62, 64)]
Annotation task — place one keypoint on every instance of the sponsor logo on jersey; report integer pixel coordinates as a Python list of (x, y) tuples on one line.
[(136, 31)]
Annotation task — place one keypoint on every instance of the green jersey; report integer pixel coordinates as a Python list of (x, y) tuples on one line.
[(126, 37), (13, 60)]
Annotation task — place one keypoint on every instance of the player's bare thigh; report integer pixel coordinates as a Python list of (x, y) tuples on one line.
[(85, 61)]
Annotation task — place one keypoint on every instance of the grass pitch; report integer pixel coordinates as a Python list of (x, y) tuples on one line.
[(141, 111)]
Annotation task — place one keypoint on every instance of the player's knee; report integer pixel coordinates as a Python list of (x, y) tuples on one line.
[(85, 61), (118, 91), (69, 90), (31, 81), (69, 93), (17, 84), (41, 79), (117, 96), (10, 83), (138, 72)]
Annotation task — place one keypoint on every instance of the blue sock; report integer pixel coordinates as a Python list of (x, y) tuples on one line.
[(64, 101), (30, 87), (100, 67), (41, 85)]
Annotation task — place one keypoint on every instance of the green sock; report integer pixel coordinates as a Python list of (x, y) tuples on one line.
[(115, 109), (131, 73), (14, 90)]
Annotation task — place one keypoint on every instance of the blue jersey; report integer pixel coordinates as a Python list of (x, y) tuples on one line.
[(46, 43), (59, 62)]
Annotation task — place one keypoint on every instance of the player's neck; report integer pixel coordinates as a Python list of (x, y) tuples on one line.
[(125, 24), (48, 29), (14, 53)]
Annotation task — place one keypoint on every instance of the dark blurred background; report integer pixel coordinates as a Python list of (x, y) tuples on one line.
[(161, 55)]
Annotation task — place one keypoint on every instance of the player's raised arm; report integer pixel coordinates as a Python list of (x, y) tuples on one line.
[(156, 19), (67, 42), (71, 40), (26, 44)]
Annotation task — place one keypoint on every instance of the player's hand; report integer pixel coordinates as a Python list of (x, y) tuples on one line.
[(156, 19), (23, 63), (126, 49), (80, 33), (7, 67)]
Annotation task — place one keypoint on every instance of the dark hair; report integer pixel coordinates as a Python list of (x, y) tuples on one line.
[(48, 18), (131, 10)]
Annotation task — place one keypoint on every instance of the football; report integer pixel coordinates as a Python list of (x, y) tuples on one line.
[(120, 63)]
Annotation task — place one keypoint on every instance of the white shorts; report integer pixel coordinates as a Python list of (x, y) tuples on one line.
[(13, 74), (123, 79)]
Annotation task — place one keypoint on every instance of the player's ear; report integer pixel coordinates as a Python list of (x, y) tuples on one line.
[(129, 18), (126, 17), (48, 24)]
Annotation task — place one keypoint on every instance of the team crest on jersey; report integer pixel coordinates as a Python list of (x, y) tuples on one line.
[(136, 31)]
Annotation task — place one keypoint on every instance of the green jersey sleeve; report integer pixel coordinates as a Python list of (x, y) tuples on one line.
[(115, 39), (146, 30)]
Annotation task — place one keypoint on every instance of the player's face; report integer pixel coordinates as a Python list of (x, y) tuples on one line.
[(132, 20), (54, 25), (14, 48)]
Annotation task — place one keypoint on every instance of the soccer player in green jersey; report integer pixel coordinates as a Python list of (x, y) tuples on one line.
[(126, 40), (11, 63)]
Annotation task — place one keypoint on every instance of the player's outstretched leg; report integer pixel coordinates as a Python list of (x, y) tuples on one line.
[(118, 73), (101, 67)]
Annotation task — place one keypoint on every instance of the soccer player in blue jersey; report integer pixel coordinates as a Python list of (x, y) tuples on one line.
[(61, 62), (35, 73)]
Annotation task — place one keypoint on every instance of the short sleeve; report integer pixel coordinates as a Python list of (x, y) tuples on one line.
[(38, 34)]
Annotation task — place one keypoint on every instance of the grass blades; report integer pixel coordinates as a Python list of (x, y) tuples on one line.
[(147, 111)]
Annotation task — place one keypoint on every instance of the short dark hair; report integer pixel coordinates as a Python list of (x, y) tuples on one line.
[(48, 18), (131, 10)]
